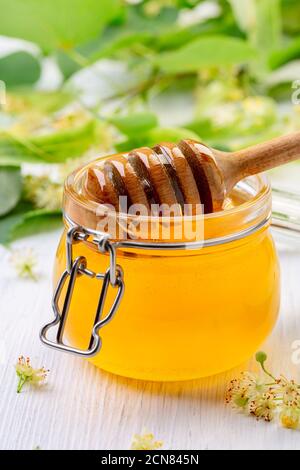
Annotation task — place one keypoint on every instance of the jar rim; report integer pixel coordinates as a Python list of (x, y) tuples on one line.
[(254, 212)]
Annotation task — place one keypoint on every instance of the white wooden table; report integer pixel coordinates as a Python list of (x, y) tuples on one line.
[(84, 408)]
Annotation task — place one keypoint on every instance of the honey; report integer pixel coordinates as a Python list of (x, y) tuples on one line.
[(183, 316), (186, 313)]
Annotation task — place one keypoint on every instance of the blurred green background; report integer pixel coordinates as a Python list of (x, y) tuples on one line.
[(82, 78)]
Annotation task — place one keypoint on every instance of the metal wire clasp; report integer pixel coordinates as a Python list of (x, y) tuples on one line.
[(75, 268)]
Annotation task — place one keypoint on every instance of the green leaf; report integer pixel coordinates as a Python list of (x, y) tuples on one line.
[(156, 136), (14, 157), (245, 13), (136, 30), (66, 64), (52, 148), (285, 54), (138, 21), (178, 37), (267, 33), (19, 68), (207, 130), (116, 40), (135, 123), (56, 24), (261, 20), (170, 134), (290, 16), (25, 220), (206, 52), (10, 188), (35, 222)]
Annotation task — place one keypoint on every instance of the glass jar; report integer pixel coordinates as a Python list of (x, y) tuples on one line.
[(192, 308)]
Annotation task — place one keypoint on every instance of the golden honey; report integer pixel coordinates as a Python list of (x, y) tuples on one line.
[(186, 313)]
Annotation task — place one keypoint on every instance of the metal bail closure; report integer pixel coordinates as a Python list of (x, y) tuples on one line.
[(112, 277)]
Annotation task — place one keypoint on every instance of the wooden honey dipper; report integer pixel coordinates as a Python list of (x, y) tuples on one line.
[(185, 173)]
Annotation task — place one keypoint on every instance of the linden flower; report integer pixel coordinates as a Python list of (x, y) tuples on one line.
[(268, 398), (290, 417), (255, 105), (226, 115), (43, 192), (263, 407), (146, 441), (27, 374), (24, 261), (243, 389), (290, 392)]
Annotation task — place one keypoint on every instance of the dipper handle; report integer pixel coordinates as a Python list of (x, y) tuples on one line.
[(259, 158)]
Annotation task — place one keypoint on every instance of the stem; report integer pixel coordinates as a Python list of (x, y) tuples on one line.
[(78, 58), (130, 93), (21, 383), (267, 372), (155, 79)]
